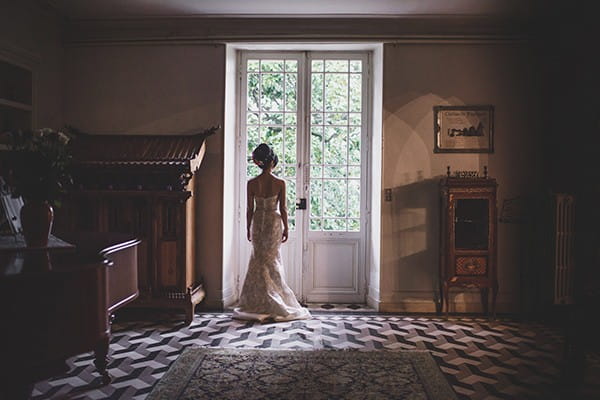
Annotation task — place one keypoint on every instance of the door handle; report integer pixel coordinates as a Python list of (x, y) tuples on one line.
[(301, 205)]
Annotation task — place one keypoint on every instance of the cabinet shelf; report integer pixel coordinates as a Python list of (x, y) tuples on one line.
[(16, 97), (15, 104)]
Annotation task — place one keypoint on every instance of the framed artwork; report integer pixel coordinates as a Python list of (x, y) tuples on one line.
[(463, 129), (10, 219)]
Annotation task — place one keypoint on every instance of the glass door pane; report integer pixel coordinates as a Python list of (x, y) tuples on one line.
[(471, 224), (271, 117), (335, 144)]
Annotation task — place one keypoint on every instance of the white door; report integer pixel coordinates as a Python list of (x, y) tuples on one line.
[(311, 108)]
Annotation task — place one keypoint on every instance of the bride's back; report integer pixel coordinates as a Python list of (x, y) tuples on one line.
[(265, 185)]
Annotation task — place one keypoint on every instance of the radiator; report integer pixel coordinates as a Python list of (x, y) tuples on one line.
[(564, 255)]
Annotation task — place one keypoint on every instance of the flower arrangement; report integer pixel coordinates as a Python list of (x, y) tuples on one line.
[(37, 163)]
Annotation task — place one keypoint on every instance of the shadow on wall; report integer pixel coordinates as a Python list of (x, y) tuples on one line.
[(415, 230)]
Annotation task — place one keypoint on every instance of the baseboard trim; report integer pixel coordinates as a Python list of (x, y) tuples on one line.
[(468, 301), (210, 305), (373, 298), (428, 306), (229, 297)]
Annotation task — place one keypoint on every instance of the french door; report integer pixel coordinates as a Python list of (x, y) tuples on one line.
[(311, 107)]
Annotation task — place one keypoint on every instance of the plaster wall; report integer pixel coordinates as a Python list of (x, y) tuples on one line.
[(180, 88), (416, 78), (159, 89)]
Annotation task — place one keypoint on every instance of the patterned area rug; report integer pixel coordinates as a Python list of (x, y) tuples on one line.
[(208, 373)]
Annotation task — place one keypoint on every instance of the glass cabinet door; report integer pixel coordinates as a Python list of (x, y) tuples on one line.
[(471, 224)]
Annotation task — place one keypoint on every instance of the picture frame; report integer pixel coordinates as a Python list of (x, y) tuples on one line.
[(463, 129), (10, 219)]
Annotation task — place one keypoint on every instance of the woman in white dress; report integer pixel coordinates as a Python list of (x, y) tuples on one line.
[(265, 295)]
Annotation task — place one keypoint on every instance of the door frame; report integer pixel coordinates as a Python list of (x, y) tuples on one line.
[(303, 126)]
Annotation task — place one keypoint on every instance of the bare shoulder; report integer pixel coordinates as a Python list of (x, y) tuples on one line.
[(252, 184), (280, 182)]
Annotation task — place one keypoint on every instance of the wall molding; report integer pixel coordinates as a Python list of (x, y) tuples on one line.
[(210, 305), (373, 302), (416, 28), (428, 306), (425, 301)]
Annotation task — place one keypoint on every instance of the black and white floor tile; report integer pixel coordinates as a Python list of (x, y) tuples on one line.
[(501, 359)]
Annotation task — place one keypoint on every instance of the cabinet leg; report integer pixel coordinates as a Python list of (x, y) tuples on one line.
[(446, 290), (494, 295), (440, 305), (101, 361), (189, 313), (485, 300)]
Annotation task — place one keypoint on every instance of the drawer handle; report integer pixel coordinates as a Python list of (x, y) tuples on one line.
[(471, 265)]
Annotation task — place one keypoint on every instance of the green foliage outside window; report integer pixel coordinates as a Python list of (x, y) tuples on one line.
[(335, 134)]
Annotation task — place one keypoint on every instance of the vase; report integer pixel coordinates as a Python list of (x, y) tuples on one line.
[(36, 222)]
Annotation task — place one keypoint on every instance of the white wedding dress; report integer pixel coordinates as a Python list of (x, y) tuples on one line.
[(265, 295)]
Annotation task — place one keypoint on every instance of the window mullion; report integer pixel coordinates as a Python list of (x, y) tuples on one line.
[(323, 113)]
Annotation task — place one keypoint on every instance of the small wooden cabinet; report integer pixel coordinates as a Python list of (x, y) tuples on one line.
[(468, 237)]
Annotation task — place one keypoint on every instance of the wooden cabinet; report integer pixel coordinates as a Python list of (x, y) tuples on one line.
[(143, 185), (468, 237), (164, 224)]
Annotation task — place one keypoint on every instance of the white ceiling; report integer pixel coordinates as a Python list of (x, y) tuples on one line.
[(101, 9)]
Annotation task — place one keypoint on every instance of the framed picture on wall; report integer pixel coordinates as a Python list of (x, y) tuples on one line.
[(463, 129)]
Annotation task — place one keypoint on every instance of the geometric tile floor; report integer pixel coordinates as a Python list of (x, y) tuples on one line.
[(481, 359)]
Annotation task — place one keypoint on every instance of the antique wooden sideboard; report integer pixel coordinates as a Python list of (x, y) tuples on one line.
[(143, 185), (57, 302)]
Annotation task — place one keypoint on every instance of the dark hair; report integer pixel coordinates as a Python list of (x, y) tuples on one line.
[(263, 155)]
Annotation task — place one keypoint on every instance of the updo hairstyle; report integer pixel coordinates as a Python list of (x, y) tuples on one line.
[(263, 155)]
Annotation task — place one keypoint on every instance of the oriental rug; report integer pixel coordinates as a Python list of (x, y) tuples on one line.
[(212, 373)]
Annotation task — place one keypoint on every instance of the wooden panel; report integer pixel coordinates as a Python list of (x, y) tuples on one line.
[(87, 214), (169, 221), (167, 264), (190, 237), (140, 218), (333, 270), (119, 215), (77, 214), (471, 265), (144, 283)]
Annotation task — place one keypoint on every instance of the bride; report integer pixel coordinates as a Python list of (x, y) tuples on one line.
[(265, 295)]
